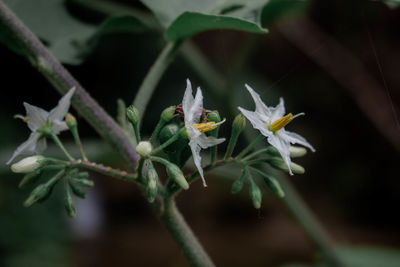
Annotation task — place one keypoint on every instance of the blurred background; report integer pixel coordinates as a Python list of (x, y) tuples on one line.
[(337, 61)]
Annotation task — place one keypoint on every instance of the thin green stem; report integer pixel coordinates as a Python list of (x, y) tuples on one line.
[(232, 144), (250, 147), (256, 153), (154, 75), (161, 123), (160, 160), (137, 132), (61, 146), (165, 144), (78, 142)]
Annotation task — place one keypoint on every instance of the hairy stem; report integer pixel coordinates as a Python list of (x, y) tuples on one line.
[(183, 235), (154, 75), (62, 80)]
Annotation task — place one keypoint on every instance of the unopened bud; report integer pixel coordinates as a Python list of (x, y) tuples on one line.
[(83, 182), (28, 164), (29, 178), (279, 164), (214, 116), (152, 178), (144, 148), (273, 184), (39, 193), (71, 121), (176, 174), (237, 186), (132, 114), (77, 190), (239, 123), (69, 205), (297, 151), (255, 194), (168, 114)]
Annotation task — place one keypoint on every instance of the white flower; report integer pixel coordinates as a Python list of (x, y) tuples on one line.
[(270, 121), (28, 164), (192, 109), (39, 120)]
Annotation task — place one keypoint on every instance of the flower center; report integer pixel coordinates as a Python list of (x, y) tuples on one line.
[(206, 126), (282, 122)]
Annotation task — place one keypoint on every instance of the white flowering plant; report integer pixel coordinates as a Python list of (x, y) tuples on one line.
[(187, 130)]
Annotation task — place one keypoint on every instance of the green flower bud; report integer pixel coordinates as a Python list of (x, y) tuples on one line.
[(39, 193), (144, 148), (77, 190), (82, 175), (29, 178), (168, 114), (239, 123), (71, 121), (213, 116), (152, 178), (83, 182), (279, 164), (176, 174), (69, 204), (272, 183), (28, 164), (238, 184), (132, 114), (255, 194)]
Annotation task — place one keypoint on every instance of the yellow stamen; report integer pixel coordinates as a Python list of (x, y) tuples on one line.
[(280, 123), (205, 126)]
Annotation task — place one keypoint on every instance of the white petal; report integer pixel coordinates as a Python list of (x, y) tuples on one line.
[(205, 141), (40, 145), (58, 126), (282, 146), (260, 106), (197, 107), (197, 159), (62, 107), (27, 147), (188, 99), (278, 111), (254, 119), (294, 138), (36, 116)]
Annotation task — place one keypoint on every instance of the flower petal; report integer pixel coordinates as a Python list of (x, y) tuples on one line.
[(197, 107), (58, 126), (27, 147), (260, 106), (40, 145), (187, 101), (205, 141), (278, 111), (255, 119), (282, 146), (194, 146), (36, 116), (295, 138), (62, 107)]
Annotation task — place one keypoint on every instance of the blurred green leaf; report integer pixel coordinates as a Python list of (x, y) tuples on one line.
[(392, 3), (275, 10), (183, 18), (66, 37)]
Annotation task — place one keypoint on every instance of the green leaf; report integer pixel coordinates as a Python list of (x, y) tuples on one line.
[(69, 39), (282, 9), (184, 18)]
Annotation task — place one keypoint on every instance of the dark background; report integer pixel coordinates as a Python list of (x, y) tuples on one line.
[(338, 62)]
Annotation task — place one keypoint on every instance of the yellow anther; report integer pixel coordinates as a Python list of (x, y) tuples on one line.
[(206, 126), (280, 123)]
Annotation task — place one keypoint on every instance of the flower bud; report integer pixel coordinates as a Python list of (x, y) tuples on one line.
[(255, 194), (83, 182), (273, 184), (176, 174), (71, 121), (279, 164), (69, 204), (30, 177), (39, 193), (77, 190), (144, 148), (237, 186), (132, 114), (239, 123), (28, 164), (168, 114), (152, 178), (297, 151), (213, 116)]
